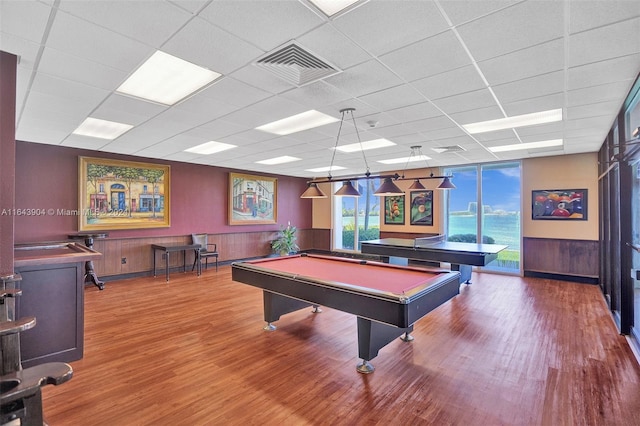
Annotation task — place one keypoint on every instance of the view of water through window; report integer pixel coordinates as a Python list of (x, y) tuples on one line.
[(498, 219)]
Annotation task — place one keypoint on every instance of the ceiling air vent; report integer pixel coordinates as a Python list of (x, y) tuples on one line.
[(295, 65), (452, 148)]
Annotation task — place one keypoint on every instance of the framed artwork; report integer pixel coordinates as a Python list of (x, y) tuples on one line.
[(253, 200), (394, 210), (422, 208), (559, 204), (116, 194)]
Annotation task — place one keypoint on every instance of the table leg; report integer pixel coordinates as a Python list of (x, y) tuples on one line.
[(184, 261), (373, 336), (153, 252), (465, 272), (90, 273), (166, 265)]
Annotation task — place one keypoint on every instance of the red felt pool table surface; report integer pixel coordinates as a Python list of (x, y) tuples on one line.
[(373, 275)]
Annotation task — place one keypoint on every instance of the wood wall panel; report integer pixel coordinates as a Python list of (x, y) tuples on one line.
[(321, 239), (234, 246), (559, 256)]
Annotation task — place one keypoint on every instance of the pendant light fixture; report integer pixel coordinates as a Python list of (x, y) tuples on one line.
[(388, 186), (416, 153)]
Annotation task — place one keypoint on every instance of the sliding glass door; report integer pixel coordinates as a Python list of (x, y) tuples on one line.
[(356, 219), (486, 203)]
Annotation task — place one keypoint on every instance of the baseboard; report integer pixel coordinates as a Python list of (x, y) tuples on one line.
[(563, 277)]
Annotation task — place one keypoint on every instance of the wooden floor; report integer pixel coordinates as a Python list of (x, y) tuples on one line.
[(506, 351)]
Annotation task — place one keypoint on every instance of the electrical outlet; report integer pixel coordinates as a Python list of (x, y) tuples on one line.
[(123, 261)]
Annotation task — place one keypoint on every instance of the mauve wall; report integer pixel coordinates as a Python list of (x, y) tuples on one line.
[(47, 178)]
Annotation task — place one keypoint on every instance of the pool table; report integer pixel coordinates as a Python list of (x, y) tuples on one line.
[(387, 299)]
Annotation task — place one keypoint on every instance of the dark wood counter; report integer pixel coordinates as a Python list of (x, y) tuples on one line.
[(52, 253), (52, 291)]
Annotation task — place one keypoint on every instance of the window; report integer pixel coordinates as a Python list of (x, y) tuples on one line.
[(486, 203), (356, 219)]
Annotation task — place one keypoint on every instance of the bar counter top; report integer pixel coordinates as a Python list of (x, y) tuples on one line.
[(52, 253)]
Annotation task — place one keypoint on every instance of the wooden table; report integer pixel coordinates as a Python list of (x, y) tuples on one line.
[(166, 249)]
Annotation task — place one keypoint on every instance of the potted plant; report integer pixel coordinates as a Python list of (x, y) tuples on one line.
[(286, 241)]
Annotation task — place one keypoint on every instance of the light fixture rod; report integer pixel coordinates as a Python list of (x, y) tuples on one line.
[(364, 157), (394, 176)]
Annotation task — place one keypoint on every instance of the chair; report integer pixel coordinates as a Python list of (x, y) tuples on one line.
[(205, 251)]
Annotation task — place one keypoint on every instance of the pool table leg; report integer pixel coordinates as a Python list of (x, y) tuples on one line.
[(406, 337), (276, 305), (373, 336)]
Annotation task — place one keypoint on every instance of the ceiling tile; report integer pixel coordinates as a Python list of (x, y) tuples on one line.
[(234, 92), (414, 112), (596, 94), (95, 43), (592, 14), (542, 85), (461, 11), (134, 19), (524, 63), (414, 21), (206, 45), (522, 25), (461, 80), (365, 78), (125, 109), (437, 54), (604, 43), (394, 97), (330, 44), (466, 101), (316, 94), (607, 71), (28, 19), (72, 67), (248, 20)]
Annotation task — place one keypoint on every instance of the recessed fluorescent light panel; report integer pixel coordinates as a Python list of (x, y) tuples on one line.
[(541, 117), (278, 160), (297, 123), (210, 148), (373, 144), (405, 159), (529, 145), (102, 129), (331, 7), (165, 79), (325, 169)]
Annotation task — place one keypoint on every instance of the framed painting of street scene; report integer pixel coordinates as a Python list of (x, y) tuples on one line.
[(116, 194), (253, 199)]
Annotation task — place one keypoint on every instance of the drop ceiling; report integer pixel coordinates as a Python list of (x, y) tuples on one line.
[(415, 72)]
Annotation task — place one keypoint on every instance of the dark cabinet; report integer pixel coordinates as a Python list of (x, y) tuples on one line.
[(53, 292)]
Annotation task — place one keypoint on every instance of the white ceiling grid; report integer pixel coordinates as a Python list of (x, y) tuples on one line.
[(414, 70)]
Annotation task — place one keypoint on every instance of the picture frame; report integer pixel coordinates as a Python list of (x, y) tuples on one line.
[(116, 194), (559, 204), (394, 210), (421, 208), (253, 200)]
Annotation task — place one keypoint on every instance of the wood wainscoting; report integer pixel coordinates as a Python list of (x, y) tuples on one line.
[(138, 259), (568, 260)]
